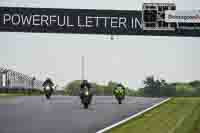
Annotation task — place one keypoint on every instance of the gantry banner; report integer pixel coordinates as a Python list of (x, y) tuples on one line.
[(81, 21)]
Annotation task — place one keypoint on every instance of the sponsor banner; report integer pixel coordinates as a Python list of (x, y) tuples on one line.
[(80, 21), (69, 20), (192, 16)]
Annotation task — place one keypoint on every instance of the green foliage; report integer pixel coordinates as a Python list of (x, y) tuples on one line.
[(152, 88), (195, 83), (131, 92), (155, 88), (73, 88), (158, 88), (184, 90)]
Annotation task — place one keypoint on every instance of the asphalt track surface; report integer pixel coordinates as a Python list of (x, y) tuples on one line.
[(64, 114)]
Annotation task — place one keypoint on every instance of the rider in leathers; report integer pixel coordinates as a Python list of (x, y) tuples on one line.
[(120, 86), (85, 85), (48, 82)]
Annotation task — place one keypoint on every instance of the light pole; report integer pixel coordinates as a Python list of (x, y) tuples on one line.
[(82, 68)]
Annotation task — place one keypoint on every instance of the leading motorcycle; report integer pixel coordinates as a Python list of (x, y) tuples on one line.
[(48, 88), (86, 97)]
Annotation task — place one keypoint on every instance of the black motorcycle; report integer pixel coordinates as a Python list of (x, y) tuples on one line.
[(86, 98), (48, 91), (48, 88)]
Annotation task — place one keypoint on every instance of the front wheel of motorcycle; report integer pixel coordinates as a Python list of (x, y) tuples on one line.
[(119, 101), (48, 96), (85, 106)]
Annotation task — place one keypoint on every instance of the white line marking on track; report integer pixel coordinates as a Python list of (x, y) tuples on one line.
[(131, 117)]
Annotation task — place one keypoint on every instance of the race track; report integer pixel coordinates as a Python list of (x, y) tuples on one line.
[(64, 114)]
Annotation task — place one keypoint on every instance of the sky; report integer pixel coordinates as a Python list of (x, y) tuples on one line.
[(126, 59)]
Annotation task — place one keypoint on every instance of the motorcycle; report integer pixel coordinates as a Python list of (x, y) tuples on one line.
[(48, 86), (86, 98), (119, 94), (48, 91)]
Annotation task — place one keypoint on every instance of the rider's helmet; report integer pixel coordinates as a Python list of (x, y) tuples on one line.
[(85, 85), (119, 86), (85, 82)]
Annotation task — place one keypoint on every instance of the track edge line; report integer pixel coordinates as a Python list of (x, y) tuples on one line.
[(131, 117)]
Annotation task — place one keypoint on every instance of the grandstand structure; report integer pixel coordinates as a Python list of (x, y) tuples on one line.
[(11, 80)]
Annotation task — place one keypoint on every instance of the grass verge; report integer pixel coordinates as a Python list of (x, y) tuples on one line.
[(179, 115), (10, 94), (18, 94)]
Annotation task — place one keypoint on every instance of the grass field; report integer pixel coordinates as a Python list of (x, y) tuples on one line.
[(179, 115)]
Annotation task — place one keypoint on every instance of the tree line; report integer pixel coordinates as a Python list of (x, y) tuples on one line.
[(160, 88), (73, 88), (152, 88)]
